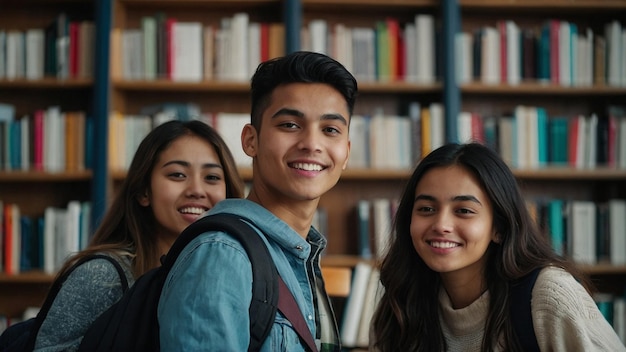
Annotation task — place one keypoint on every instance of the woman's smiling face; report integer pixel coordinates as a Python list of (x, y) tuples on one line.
[(452, 221)]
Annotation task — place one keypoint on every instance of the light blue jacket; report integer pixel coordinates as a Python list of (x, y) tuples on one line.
[(205, 300)]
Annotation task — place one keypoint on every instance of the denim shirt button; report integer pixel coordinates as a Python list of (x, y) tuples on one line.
[(310, 317), (299, 248)]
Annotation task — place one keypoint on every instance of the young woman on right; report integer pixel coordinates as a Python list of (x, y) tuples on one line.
[(463, 237)]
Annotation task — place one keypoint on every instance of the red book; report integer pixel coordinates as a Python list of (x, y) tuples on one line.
[(38, 139), (8, 239), (503, 49), (74, 49), (265, 41), (169, 45), (572, 141)]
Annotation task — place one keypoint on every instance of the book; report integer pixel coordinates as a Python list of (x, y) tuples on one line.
[(354, 304), (617, 231), (364, 228), (581, 231), (373, 292)]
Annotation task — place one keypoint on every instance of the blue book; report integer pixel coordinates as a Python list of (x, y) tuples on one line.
[(542, 136), (28, 249), (555, 225), (557, 140), (543, 54)]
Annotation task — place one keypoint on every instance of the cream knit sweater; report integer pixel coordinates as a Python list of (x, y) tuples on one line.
[(565, 318)]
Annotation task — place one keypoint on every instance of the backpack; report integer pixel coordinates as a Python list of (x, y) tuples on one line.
[(23, 335), (520, 309), (132, 324)]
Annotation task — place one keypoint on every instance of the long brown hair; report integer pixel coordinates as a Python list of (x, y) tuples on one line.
[(407, 317), (128, 228)]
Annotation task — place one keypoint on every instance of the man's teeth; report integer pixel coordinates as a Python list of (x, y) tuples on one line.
[(443, 244), (192, 210), (307, 167)]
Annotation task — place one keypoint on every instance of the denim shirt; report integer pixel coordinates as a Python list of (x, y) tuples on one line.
[(205, 300)]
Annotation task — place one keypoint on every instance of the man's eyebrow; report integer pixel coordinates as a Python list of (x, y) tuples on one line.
[(299, 114)]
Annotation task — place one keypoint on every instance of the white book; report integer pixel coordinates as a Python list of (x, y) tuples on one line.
[(381, 216), (230, 126), (132, 54), (60, 229), (72, 233), (254, 47), (342, 46), (149, 37), (437, 125), (581, 231), (364, 53), (425, 29), (359, 138), (15, 55), (464, 127), (238, 64), (373, 293), (464, 62), (49, 237), (514, 67), (617, 231), (318, 30), (54, 140), (379, 144), (187, 51), (35, 53), (591, 138), (490, 56), (354, 304)]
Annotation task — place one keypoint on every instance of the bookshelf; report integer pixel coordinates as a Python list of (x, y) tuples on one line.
[(110, 91)]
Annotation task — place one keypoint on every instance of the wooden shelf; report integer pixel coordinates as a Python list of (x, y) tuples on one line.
[(47, 83), (39, 176), (537, 88), (561, 5)]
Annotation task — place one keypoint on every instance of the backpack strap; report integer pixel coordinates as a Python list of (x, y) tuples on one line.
[(521, 315), (289, 307), (264, 274), (56, 287)]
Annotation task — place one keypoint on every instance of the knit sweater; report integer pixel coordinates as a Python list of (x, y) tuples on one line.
[(565, 318), (88, 291)]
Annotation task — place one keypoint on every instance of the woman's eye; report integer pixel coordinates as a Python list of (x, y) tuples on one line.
[(213, 178), (176, 175)]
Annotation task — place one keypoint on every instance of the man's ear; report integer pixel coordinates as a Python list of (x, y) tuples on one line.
[(249, 140), (345, 163)]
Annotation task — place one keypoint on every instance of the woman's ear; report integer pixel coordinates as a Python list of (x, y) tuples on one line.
[(144, 199), (497, 238), (249, 140)]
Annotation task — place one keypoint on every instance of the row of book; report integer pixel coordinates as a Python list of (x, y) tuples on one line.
[(63, 49), (388, 51), (527, 138), (588, 232), (164, 47), (559, 52), (49, 140), (44, 242)]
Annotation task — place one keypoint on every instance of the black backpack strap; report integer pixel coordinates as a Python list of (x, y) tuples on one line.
[(521, 315), (289, 307), (264, 274), (56, 287)]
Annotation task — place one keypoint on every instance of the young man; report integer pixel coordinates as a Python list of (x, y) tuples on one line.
[(298, 139)]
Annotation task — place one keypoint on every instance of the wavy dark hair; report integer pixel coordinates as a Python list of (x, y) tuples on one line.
[(299, 67), (129, 226), (407, 317)]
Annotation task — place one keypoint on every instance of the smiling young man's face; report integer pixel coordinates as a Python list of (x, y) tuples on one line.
[(303, 144)]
